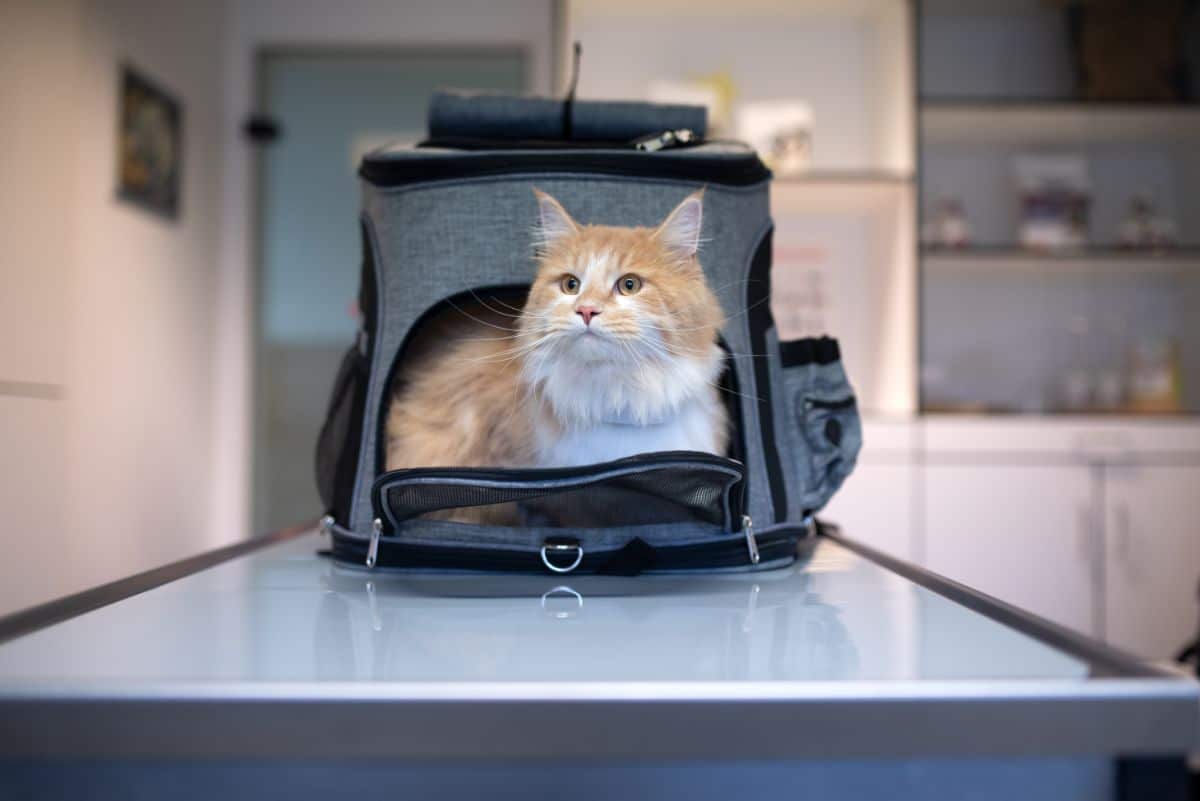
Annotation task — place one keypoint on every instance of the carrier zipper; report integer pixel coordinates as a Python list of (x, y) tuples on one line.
[(751, 542), (740, 169), (657, 459), (665, 140), (733, 500), (373, 547), (833, 406)]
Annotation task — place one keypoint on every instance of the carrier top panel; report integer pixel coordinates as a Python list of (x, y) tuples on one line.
[(721, 163)]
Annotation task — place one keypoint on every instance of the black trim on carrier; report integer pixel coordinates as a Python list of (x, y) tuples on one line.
[(758, 304), (634, 558), (337, 450), (471, 143), (714, 492), (725, 169), (812, 350)]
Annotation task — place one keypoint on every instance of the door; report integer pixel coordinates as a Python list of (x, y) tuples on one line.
[(1153, 557), (330, 109), (1025, 533)]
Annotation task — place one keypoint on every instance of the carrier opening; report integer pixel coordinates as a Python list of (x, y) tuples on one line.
[(650, 488), (496, 306)]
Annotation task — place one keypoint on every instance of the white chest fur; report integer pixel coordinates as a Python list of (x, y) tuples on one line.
[(695, 426), (600, 412)]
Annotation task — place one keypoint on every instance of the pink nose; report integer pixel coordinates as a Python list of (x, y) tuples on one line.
[(587, 313)]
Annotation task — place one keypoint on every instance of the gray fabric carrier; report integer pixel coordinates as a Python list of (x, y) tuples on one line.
[(445, 226)]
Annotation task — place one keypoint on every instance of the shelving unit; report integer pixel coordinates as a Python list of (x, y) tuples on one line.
[(995, 83)]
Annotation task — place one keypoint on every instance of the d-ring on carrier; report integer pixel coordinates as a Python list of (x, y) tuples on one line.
[(561, 546)]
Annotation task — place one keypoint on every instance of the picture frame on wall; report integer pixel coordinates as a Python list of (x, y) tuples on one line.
[(149, 144)]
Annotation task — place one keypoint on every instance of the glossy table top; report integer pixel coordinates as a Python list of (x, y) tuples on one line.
[(287, 625)]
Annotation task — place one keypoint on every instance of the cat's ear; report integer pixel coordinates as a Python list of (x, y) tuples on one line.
[(553, 221), (681, 230)]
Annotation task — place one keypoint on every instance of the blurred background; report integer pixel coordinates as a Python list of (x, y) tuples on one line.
[(993, 205)]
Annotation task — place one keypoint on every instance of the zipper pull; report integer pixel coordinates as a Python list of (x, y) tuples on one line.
[(664, 140), (751, 543), (373, 548)]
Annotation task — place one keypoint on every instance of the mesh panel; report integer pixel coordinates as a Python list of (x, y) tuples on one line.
[(336, 446), (645, 495)]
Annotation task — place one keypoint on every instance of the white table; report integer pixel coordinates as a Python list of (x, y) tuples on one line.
[(280, 672)]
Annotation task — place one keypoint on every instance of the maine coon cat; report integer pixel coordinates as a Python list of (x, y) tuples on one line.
[(614, 353)]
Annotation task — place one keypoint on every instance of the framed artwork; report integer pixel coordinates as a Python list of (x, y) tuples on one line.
[(149, 145)]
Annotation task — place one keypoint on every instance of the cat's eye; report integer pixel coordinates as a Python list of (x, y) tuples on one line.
[(569, 284), (629, 284)]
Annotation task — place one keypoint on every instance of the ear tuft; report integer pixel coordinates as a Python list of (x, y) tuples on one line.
[(553, 222), (681, 230)]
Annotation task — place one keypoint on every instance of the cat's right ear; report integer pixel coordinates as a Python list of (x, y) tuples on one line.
[(553, 221)]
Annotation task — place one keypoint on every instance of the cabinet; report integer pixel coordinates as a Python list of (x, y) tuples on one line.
[(875, 507), (1152, 564), (1025, 533), (877, 504)]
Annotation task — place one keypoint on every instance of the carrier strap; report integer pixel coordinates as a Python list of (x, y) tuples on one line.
[(634, 558), (569, 100)]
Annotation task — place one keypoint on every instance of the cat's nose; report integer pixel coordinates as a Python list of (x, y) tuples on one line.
[(587, 313)]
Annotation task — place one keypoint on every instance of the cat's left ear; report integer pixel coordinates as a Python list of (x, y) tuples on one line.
[(681, 230), (553, 221)]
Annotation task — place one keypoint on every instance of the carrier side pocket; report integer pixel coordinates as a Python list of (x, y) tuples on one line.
[(823, 421), (338, 443)]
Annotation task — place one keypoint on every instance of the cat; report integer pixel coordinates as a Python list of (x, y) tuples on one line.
[(614, 353)]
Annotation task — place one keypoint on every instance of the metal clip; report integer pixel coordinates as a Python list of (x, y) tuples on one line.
[(751, 543), (373, 548), (665, 140)]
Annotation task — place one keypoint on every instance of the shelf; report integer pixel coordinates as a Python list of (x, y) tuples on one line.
[(1087, 259), (1057, 123), (850, 177), (1091, 416)]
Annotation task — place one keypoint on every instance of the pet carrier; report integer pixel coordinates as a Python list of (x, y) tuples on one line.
[(449, 223)]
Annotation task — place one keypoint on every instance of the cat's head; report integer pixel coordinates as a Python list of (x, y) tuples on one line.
[(620, 302), (602, 290)]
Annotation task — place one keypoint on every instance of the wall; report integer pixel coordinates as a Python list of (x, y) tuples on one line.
[(106, 457), (126, 340)]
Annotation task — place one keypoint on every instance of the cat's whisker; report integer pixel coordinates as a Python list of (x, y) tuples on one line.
[(515, 335), (509, 354), (715, 384), (473, 318), (498, 302)]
